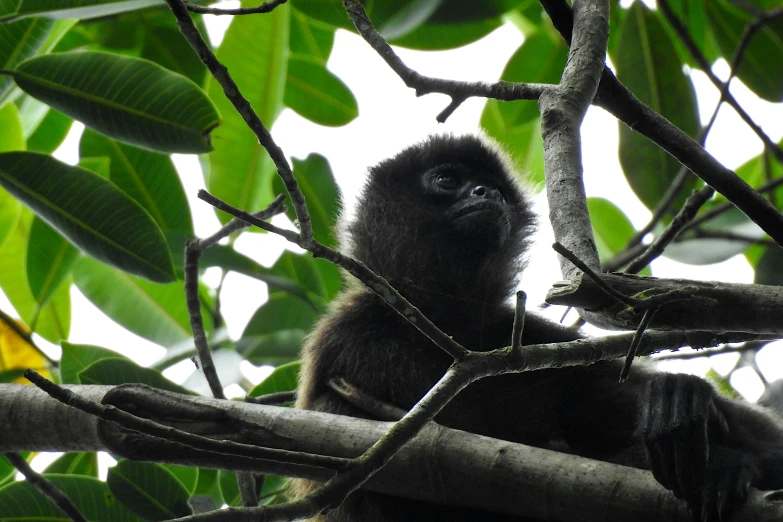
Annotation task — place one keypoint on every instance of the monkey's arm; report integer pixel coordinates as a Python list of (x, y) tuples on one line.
[(706, 448)]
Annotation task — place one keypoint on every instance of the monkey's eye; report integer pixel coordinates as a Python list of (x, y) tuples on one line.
[(446, 181)]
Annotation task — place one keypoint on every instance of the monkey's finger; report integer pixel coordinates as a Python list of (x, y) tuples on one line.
[(663, 466)]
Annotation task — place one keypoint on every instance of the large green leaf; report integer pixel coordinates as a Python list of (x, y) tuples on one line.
[(49, 260), (284, 378), (77, 357), (310, 37), (149, 490), (768, 267), (153, 311), (150, 179), (761, 64), (22, 501), (11, 129), (11, 138), (50, 133), (75, 464), (276, 348), (540, 59), (317, 275), (81, 8), (227, 258), (121, 371), (316, 180), (19, 40), (611, 228), (648, 65), (52, 321), (9, 215), (90, 211), (439, 37), (280, 312), (239, 171), (129, 99), (317, 94)]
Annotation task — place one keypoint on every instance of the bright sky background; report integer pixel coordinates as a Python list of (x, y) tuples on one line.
[(391, 117)]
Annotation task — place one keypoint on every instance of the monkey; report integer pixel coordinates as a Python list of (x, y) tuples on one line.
[(447, 224)]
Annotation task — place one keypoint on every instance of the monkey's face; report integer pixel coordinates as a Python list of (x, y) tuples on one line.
[(472, 207)]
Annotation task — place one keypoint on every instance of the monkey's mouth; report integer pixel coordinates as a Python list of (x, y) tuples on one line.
[(480, 209)]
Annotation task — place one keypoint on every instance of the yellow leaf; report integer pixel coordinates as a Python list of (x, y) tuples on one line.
[(16, 352)]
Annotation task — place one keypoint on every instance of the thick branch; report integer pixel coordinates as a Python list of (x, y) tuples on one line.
[(718, 307), (500, 476), (562, 112)]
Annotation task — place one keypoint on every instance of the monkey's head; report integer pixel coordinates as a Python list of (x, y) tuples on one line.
[(444, 216)]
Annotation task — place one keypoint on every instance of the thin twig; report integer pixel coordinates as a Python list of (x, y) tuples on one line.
[(704, 65), (458, 91), (683, 217), (366, 402), (126, 420), (637, 339), (232, 92), (273, 398), (519, 321)]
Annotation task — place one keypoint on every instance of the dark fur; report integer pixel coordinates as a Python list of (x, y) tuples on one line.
[(461, 278)]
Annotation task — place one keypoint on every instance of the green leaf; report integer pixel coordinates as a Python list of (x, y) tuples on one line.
[(768, 267), (284, 378), (22, 501), (317, 94), (611, 228), (149, 490), (150, 179), (121, 371), (49, 260), (52, 321), (274, 348), (130, 99), (100, 165), (81, 8), (443, 36), (50, 133), (19, 40), (280, 312), (229, 259), (77, 357), (310, 37), (704, 251), (229, 489), (90, 211), (760, 68), (11, 130), (316, 180), (75, 464), (239, 171), (540, 59), (153, 311), (647, 64), (186, 475), (165, 45), (317, 275), (523, 142)]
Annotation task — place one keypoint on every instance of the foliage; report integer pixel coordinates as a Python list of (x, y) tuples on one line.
[(115, 225)]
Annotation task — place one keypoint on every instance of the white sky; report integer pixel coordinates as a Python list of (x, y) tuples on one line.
[(392, 117)]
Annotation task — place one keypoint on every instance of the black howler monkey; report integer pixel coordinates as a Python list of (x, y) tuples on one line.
[(446, 224)]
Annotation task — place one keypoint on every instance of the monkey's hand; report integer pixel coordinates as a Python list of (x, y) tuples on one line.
[(685, 435)]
